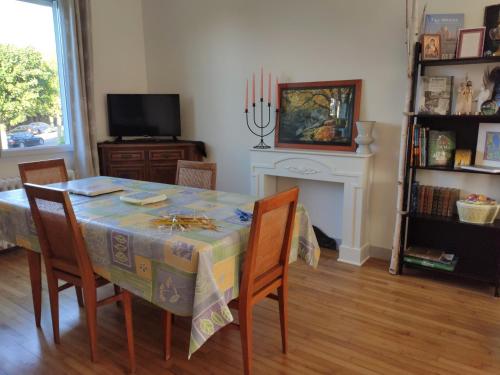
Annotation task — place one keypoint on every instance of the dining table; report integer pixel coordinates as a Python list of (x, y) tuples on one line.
[(187, 271)]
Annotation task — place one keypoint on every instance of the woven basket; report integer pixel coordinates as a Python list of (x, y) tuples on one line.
[(477, 213)]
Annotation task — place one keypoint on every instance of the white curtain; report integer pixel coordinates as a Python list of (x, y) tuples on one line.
[(74, 17)]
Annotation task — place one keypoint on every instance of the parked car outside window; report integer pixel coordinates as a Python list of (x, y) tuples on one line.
[(24, 139)]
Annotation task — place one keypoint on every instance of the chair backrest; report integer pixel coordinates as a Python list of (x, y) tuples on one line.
[(266, 259), (43, 172), (196, 174), (59, 234)]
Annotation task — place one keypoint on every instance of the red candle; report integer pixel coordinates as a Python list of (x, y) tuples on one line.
[(262, 83), (269, 90), (277, 95), (246, 97), (253, 88)]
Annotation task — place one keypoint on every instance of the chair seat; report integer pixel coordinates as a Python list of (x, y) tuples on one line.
[(77, 280)]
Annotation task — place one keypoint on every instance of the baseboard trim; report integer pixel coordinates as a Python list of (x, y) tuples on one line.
[(354, 256)]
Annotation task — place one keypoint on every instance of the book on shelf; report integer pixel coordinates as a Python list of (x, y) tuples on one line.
[(441, 148), (430, 199), (435, 95), (433, 200), (420, 138), (420, 198), (450, 267), (431, 254), (414, 197), (447, 26)]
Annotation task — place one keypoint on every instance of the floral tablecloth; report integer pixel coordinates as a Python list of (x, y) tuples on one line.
[(189, 273)]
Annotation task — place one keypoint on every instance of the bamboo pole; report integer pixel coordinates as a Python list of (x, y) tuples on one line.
[(412, 34)]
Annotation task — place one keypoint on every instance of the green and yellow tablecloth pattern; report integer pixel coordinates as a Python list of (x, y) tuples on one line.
[(189, 273)]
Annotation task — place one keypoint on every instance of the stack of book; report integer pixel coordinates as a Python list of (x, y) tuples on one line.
[(420, 137), (432, 148), (431, 258), (434, 200)]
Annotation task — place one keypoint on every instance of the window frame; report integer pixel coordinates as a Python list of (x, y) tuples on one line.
[(61, 72)]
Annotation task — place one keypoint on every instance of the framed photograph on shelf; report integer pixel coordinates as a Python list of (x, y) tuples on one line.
[(492, 24), (431, 47), (470, 43), (488, 146), (318, 115)]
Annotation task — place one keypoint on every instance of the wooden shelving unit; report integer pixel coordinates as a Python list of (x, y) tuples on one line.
[(477, 246)]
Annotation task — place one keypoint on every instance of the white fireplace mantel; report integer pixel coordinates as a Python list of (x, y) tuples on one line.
[(347, 168)]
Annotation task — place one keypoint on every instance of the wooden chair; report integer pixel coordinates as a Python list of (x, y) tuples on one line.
[(266, 265), (196, 174), (66, 258), (41, 173)]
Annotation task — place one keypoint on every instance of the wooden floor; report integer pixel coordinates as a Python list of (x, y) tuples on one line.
[(343, 320)]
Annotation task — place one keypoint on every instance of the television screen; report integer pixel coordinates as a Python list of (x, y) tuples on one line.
[(144, 114)]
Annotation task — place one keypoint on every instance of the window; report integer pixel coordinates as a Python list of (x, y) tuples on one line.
[(31, 94)]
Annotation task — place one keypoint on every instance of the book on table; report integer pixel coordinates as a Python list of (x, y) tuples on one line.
[(143, 197), (91, 188)]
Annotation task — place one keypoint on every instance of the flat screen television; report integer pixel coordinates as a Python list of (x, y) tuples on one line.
[(144, 115)]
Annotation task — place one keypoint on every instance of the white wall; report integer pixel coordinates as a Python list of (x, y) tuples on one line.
[(206, 49), (119, 55)]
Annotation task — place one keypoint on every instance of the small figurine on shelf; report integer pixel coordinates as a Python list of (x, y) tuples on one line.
[(464, 97)]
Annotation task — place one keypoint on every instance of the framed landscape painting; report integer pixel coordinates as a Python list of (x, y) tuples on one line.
[(318, 115)]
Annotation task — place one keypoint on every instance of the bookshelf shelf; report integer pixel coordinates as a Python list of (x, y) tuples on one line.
[(469, 61), (454, 170), (455, 221), (476, 246), (460, 118), (457, 273), (465, 61)]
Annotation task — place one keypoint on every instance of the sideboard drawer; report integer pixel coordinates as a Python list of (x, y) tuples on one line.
[(133, 172), (128, 155), (159, 155)]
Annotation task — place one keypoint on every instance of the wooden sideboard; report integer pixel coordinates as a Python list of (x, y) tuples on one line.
[(148, 161)]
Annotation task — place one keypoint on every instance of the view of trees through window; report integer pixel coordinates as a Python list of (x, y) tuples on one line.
[(30, 99)]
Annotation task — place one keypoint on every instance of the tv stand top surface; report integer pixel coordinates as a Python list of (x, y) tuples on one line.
[(119, 140)]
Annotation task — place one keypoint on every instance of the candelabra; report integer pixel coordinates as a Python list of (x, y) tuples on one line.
[(262, 127)]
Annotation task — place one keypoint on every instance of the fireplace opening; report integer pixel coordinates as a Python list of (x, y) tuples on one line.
[(324, 241)]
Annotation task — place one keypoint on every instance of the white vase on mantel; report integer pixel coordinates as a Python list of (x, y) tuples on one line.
[(364, 138)]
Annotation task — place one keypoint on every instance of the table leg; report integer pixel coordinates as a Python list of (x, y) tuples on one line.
[(35, 266)]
